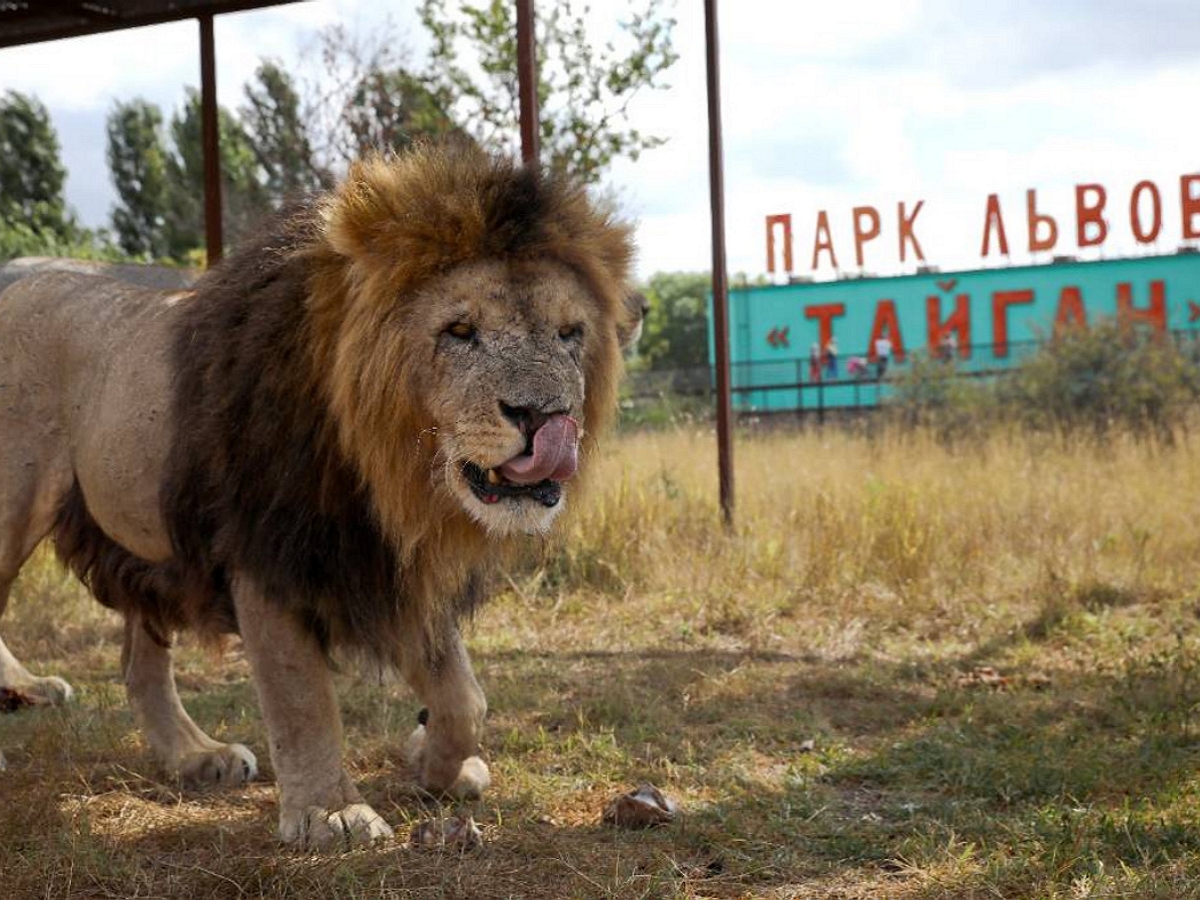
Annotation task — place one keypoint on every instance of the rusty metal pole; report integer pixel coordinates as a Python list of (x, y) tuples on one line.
[(211, 142), (720, 280), (527, 81)]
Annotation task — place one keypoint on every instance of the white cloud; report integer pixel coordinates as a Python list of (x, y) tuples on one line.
[(909, 132), (79, 74), (761, 33)]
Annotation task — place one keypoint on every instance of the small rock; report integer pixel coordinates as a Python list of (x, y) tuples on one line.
[(642, 808), (1039, 681), (984, 676), (704, 867), (446, 834), (808, 746)]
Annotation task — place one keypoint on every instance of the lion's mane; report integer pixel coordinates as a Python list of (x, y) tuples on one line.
[(298, 459)]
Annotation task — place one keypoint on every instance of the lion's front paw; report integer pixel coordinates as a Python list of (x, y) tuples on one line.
[(467, 782), (230, 765), (316, 828), (473, 779)]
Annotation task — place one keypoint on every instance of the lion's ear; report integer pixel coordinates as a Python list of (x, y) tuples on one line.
[(355, 210), (629, 326), (422, 209)]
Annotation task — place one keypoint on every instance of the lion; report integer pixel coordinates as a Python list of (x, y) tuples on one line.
[(322, 447)]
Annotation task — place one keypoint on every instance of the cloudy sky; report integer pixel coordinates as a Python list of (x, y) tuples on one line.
[(827, 106)]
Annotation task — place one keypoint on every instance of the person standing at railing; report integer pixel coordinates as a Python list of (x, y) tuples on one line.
[(831, 358), (814, 363), (948, 346), (883, 355)]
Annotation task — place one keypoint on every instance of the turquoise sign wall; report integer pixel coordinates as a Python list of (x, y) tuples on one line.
[(986, 319)]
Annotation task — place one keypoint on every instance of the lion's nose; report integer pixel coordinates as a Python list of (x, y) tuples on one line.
[(527, 418)]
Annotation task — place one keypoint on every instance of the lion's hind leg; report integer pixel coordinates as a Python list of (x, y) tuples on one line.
[(29, 498), (151, 598), (26, 687), (176, 740)]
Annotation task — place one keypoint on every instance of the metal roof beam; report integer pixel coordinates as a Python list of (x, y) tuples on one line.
[(51, 20)]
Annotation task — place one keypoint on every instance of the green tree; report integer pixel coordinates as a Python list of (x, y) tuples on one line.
[(675, 335), (584, 90), (243, 199), (278, 135), (390, 109), (137, 162), (31, 172), (368, 98)]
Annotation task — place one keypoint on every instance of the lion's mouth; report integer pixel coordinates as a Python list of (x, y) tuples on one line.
[(491, 487), (550, 457)]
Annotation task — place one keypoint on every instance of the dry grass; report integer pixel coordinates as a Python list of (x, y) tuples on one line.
[(992, 649)]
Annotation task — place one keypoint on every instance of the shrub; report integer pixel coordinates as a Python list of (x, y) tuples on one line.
[(934, 393), (1102, 377), (1086, 379)]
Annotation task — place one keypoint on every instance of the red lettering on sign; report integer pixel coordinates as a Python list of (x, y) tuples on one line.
[(778, 337), (907, 233), (861, 236), (825, 313), (1071, 314), (1090, 213), (1155, 314), (958, 321), (785, 220), (826, 244), (1035, 221), (1001, 301), (1135, 212), (886, 321), (1093, 226), (1189, 200), (994, 220)]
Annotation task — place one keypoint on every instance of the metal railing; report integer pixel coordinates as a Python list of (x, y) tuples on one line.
[(786, 386)]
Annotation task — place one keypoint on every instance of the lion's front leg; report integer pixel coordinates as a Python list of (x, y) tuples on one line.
[(444, 748), (318, 804)]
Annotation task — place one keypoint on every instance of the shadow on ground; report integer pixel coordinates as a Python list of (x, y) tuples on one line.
[(799, 775)]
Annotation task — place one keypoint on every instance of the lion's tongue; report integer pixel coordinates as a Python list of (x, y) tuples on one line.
[(555, 454)]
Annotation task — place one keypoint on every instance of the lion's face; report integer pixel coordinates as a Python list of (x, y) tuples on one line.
[(509, 348), (465, 319)]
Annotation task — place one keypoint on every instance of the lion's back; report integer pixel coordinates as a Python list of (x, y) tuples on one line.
[(62, 332)]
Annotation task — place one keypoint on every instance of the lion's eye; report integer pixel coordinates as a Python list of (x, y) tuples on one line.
[(464, 331), (571, 332)]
